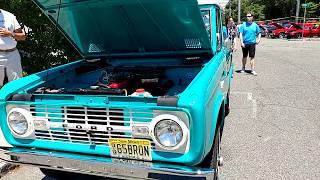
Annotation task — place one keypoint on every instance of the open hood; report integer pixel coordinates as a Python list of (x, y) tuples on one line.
[(277, 25), (130, 27), (295, 25)]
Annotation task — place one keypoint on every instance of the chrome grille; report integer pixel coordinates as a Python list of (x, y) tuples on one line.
[(64, 123)]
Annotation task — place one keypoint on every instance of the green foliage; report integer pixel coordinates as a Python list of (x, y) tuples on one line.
[(314, 9), (272, 9), (45, 46), (247, 6)]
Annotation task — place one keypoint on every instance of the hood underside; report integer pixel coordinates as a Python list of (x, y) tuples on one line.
[(130, 27)]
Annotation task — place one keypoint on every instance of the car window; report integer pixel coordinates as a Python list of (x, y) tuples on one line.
[(206, 16), (286, 25), (218, 30)]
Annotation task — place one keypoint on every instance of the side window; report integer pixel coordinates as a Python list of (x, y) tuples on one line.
[(219, 33), (206, 16), (224, 25)]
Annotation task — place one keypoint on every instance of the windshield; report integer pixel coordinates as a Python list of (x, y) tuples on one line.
[(286, 25), (136, 26), (271, 27)]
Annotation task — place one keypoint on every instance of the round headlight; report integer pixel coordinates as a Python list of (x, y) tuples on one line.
[(168, 133), (18, 122)]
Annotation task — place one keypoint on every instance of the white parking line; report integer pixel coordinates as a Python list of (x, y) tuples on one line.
[(254, 108), (249, 96), (252, 101)]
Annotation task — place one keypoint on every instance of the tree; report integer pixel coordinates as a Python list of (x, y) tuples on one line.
[(45, 46), (272, 9), (314, 9), (246, 6)]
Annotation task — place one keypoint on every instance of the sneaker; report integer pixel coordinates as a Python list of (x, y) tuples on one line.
[(254, 73), (242, 70)]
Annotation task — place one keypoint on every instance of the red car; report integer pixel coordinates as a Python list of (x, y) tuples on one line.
[(281, 31), (315, 31), (306, 32), (309, 25)]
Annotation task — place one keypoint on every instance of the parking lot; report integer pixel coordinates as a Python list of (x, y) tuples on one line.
[(273, 130)]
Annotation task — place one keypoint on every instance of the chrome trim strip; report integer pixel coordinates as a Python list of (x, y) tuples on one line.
[(115, 168)]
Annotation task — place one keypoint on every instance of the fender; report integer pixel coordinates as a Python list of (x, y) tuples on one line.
[(3, 141), (213, 111)]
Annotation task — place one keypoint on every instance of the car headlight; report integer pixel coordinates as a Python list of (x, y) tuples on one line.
[(20, 122), (169, 131)]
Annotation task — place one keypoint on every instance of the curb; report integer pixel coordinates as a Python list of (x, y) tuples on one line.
[(305, 39), (6, 167)]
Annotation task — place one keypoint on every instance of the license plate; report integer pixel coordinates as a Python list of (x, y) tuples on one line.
[(139, 149)]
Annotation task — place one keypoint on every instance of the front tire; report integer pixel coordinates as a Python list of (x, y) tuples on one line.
[(215, 162), (227, 106), (299, 36), (213, 159)]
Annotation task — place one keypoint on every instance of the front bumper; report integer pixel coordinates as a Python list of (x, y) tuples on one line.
[(103, 166)]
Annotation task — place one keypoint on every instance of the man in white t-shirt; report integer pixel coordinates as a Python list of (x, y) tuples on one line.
[(10, 60)]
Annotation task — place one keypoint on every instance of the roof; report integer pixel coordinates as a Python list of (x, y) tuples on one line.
[(221, 3)]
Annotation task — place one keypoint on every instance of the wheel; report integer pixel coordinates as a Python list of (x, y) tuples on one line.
[(57, 174), (216, 161), (282, 35), (298, 35), (213, 159), (227, 106)]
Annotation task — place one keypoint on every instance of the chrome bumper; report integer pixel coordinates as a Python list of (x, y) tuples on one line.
[(103, 166)]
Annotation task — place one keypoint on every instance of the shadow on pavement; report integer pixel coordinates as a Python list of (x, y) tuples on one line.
[(153, 176), (79, 177), (246, 71)]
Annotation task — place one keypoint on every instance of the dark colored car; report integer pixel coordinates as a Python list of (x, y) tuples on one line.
[(263, 30), (270, 28)]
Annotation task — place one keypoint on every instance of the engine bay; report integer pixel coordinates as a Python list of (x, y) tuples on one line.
[(103, 79)]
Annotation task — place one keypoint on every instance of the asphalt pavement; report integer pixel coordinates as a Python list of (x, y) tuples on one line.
[(273, 129)]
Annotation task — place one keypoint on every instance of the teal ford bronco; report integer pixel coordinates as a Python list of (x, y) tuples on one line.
[(147, 101)]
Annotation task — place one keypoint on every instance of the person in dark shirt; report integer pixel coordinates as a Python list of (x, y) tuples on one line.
[(232, 33)]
